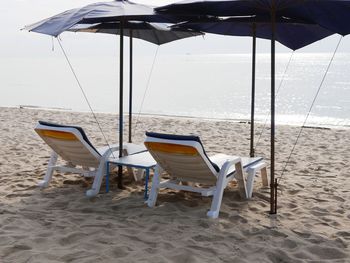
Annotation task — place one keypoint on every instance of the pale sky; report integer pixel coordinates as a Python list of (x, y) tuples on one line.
[(30, 70), (16, 43)]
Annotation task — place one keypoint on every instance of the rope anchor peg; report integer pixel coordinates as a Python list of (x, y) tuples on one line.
[(274, 186)]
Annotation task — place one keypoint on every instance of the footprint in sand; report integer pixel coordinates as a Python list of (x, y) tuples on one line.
[(288, 243), (120, 251), (293, 192), (292, 205), (302, 234), (14, 249), (327, 252), (185, 256), (17, 195), (344, 234), (71, 238), (203, 238), (279, 255)]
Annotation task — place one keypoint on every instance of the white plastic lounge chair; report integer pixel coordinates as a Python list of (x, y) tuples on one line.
[(184, 159), (73, 146)]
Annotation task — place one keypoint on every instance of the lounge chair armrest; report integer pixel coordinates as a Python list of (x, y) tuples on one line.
[(228, 164), (257, 166), (261, 166), (109, 151)]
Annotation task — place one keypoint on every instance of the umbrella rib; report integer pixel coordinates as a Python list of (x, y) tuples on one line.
[(84, 94), (277, 92), (147, 87), (308, 114)]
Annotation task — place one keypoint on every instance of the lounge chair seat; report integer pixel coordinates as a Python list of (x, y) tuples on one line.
[(73, 146), (185, 160)]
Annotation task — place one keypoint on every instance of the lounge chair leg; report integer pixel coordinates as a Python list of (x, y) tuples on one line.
[(138, 174), (242, 187), (131, 171), (49, 172), (250, 182), (152, 198), (96, 185), (217, 198), (264, 178), (99, 173)]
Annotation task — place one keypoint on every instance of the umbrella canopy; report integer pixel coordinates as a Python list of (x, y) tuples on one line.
[(291, 33), (332, 15), (120, 11), (156, 33), (98, 13)]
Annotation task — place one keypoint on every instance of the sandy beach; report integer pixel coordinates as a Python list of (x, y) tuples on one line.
[(60, 224)]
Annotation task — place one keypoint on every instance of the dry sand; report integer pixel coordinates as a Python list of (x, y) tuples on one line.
[(59, 224)]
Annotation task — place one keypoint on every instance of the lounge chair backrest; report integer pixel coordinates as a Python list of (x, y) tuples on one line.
[(69, 142), (182, 157)]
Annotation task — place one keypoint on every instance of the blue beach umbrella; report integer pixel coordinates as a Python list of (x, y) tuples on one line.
[(332, 15), (120, 11), (117, 10), (292, 33), (156, 33)]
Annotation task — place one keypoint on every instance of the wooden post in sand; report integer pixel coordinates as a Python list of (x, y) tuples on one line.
[(121, 72), (252, 113), (130, 88), (273, 203)]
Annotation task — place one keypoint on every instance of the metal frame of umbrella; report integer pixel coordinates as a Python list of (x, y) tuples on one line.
[(120, 11), (329, 14), (257, 26), (156, 33)]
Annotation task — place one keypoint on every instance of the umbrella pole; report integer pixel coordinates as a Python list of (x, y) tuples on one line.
[(130, 88), (121, 72), (253, 94), (273, 186)]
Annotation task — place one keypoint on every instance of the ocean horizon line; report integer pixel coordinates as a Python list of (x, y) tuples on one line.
[(258, 120)]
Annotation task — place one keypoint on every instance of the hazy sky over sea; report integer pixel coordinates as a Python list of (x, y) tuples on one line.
[(16, 43), (33, 70)]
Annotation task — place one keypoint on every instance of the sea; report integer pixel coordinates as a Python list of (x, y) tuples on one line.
[(214, 86)]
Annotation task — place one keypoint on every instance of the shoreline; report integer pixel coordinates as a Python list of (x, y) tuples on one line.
[(247, 121)]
